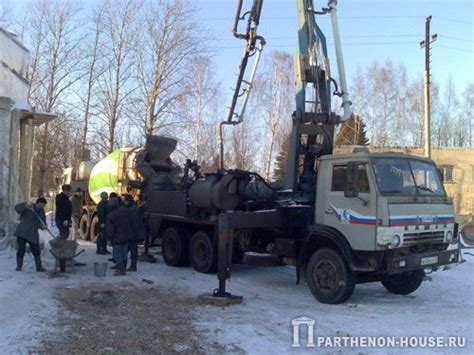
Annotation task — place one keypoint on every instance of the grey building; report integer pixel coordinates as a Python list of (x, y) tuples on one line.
[(17, 129)]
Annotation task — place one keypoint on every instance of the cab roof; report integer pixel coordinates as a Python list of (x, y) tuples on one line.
[(367, 155)]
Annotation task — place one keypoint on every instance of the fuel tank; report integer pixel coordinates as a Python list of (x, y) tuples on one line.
[(223, 191)]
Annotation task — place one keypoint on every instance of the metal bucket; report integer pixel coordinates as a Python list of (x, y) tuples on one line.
[(100, 269)]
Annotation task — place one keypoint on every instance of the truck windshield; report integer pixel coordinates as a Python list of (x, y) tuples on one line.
[(407, 177)]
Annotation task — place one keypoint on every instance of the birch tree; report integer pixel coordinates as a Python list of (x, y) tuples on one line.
[(201, 112), (55, 70), (116, 84), (444, 122), (275, 104), (468, 113), (169, 43), (93, 70)]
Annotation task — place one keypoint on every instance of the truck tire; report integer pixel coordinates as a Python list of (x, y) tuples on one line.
[(174, 247), (202, 254), (329, 278), (404, 283), (84, 227), (94, 231)]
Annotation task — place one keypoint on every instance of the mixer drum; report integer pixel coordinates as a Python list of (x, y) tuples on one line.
[(216, 191)]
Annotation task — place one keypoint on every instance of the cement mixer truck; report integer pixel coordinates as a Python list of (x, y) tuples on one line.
[(123, 171)]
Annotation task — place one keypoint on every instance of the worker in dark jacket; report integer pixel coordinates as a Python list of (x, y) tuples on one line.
[(102, 211), (120, 231), (32, 218), (138, 230), (63, 211)]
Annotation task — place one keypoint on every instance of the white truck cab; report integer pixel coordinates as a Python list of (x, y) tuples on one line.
[(388, 218), (396, 201)]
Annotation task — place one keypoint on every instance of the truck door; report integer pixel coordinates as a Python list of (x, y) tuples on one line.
[(354, 217)]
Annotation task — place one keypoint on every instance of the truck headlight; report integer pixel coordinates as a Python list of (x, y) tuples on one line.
[(395, 242), (449, 236)]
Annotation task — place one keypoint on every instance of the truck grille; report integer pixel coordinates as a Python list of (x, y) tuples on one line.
[(423, 238)]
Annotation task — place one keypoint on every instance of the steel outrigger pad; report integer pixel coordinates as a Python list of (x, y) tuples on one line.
[(219, 299)]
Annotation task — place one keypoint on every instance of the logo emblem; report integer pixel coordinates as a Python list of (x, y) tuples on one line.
[(345, 217)]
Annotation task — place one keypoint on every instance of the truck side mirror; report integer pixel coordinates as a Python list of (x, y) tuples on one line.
[(441, 174), (351, 190)]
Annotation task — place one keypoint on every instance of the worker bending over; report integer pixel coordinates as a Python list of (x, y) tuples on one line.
[(32, 218)]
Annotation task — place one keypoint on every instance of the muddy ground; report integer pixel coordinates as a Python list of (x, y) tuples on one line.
[(124, 319)]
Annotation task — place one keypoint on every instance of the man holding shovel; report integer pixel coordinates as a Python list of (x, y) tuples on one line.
[(32, 218)]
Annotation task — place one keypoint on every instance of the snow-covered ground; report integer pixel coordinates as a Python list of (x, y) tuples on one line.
[(443, 307)]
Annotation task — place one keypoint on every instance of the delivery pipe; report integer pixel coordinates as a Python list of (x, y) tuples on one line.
[(346, 103)]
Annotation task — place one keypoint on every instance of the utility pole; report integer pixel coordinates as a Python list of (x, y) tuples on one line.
[(426, 45)]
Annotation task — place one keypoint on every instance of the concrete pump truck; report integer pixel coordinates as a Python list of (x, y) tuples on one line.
[(339, 219)]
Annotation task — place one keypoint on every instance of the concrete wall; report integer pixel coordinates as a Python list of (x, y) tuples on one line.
[(10, 85), (13, 68), (13, 93), (6, 198), (13, 53), (461, 189)]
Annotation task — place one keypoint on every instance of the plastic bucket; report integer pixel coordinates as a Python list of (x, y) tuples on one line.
[(100, 269)]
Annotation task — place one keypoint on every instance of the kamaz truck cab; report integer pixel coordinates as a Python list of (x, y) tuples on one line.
[(385, 217)]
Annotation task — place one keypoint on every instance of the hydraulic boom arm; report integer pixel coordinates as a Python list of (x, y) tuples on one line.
[(312, 132)]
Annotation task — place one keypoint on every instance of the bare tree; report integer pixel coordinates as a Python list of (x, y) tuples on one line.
[(55, 69), (116, 84), (468, 113), (242, 149), (201, 112), (92, 74), (415, 114), (6, 14), (275, 101), (444, 122), (169, 43)]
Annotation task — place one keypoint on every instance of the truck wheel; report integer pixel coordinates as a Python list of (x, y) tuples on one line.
[(404, 283), (329, 277), (84, 227), (174, 247), (94, 232), (202, 254)]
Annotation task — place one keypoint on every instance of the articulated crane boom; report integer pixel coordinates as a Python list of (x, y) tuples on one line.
[(312, 133), (253, 48), (313, 122)]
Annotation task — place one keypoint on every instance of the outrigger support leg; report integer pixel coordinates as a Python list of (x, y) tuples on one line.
[(220, 297)]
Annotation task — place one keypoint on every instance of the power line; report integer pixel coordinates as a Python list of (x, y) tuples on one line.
[(402, 17), (341, 17), (456, 49), (329, 44), (457, 38), (357, 36), (281, 46), (453, 20)]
